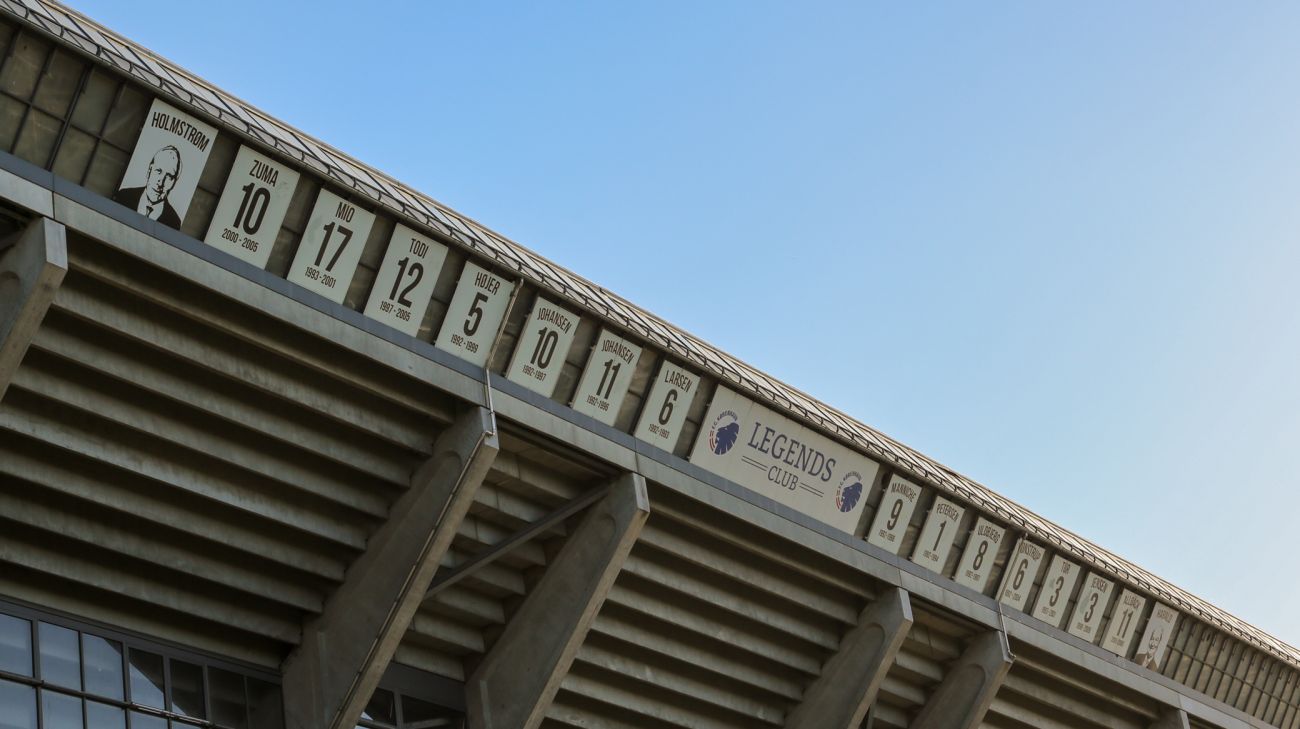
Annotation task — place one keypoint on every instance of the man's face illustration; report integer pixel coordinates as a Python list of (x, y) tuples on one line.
[(162, 175), (1153, 644)]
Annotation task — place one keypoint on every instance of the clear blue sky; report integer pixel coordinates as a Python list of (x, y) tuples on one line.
[(1053, 245)]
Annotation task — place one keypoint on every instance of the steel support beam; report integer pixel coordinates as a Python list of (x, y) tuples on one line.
[(965, 693), (345, 650), (1172, 719), (32, 266), (472, 565), (841, 696), (518, 678)]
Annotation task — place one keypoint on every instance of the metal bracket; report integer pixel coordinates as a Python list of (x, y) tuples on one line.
[(502, 548)]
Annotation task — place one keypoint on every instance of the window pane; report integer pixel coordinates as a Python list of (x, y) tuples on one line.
[(73, 155), (381, 707), (106, 169), (103, 666), (17, 706), (11, 116), (36, 140), (60, 711), (15, 645), (219, 163), (103, 716), (60, 657), (59, 84), (146, 679), (418, 714), (202, 207), (126, 119), (229, 707), (95, 101), (187, 690), (6, 35), (141, 720), (265, 710), (24, 66)]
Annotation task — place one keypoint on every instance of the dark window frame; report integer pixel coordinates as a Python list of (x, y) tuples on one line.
[(129, 641)]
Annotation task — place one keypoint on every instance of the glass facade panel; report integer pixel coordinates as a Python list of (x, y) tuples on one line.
[(421, 713), (11, 117), (103, 716), (15, 645), (59, 84), (381, 713), (60, 711), (73, 155), (141, 720), (106, 169), (103, 660), (202, 207), (381, 708), (127, 117), (60, 656), (164, 691), (187, 690), (265, 707), (95, 101), (229, 704), (17, 706), (147, 679), (36, 140), (24, 66)]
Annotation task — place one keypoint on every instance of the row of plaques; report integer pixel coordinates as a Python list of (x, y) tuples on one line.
[(975, 568), (160, 181)]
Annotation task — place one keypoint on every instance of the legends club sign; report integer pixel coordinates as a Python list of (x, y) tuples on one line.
[(738, 440), (771, 454)]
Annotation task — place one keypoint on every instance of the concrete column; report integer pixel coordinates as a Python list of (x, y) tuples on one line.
[(32, 267), (519, 677), (329, 678), (841, 696), (961, 699), (1172, 719)]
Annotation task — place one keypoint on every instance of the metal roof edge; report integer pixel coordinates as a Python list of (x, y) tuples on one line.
[(171, 80)]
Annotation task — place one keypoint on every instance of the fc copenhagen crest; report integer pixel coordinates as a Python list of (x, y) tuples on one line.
[(725, 431), (849, 492)]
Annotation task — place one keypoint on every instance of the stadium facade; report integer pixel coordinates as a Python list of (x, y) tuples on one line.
[(285, 443)]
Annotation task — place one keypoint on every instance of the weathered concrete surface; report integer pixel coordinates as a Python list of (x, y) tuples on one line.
[(31, 270), (965, 693), (841, 696), (519, 677), (344, 652), (1172, 719)]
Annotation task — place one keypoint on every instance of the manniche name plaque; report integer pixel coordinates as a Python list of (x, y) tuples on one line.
[(894, 514), (768, 453)]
